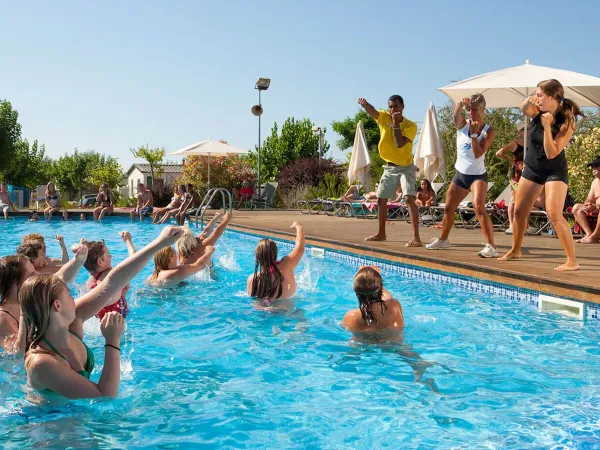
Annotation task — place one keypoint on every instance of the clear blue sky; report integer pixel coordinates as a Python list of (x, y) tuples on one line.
[(113, 75)]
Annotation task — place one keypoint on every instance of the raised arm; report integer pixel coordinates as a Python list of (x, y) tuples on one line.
[(210, 225), (215, 235), (296, 254), (93, 301), (459, 118), (505, 152), (126, 236), (368, 108), (553, 147), (63, 248), (479, 148), (183, 271), (68, 272)]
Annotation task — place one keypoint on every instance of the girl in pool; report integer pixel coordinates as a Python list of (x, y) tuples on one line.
[(167, 273), (106, 200), (52, 201), (379, 315), (57, 360), (191, 248), (14, 271), (273, 281), (37, 237)]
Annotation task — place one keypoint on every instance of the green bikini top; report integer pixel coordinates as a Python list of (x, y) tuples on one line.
[(89, 363)]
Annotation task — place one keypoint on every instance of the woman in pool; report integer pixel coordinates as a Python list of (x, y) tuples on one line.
[(425, 194), (57, 360), (106, 200), (273, 281), (37, 237), (52, 201), (191, 248), (167, 273), (172, 207), (546, 167), (379, 315), (14, 271)]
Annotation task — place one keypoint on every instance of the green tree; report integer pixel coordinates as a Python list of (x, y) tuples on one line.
[(29, 166), (296, 141), (104, 169), (580, 152), (10, 135), (153, 156)]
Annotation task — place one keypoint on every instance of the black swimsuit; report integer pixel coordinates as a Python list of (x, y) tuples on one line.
[(538, 168), (13, 317)]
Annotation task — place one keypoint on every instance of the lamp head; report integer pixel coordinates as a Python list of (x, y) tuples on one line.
[(257, 110), (262, 84)]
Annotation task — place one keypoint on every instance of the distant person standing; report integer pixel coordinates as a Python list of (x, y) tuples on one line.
[(145, 203), (395, 148)]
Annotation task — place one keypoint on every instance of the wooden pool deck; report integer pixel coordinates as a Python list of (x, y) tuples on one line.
[(535, 270)]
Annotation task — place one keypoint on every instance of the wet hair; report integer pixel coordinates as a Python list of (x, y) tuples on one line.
[(478, 100), (161, 261), (267, 283), (368, 286), (95, 251), (186, 244), (568, 108), (30, 249), (48, 189), (33, 237), (396, 98), (429, 186), (36, 297), (11, 272)]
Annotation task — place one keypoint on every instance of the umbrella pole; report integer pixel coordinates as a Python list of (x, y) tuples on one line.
[(208, 187)]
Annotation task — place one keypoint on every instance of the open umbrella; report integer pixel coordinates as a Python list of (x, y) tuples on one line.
[(210, 148), (360, 161), (429, 156), (508, 87)]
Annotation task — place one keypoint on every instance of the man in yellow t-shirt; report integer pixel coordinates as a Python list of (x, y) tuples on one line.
[(395, 147)]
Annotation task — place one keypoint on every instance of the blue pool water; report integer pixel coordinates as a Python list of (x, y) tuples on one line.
[(201, 368)]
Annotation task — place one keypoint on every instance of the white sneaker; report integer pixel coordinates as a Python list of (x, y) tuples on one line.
[(508, 230), (437, 244), (531, 231), (488, 252)]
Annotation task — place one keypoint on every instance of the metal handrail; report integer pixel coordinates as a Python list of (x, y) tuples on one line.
[(212, 192)]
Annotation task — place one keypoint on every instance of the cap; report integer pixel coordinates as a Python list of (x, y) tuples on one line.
[(520, 126), (595, 163)]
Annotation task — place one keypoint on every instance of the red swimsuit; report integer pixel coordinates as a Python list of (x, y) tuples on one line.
[(119, 306)]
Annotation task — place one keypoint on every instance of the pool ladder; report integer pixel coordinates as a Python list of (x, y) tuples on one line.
[(208, 198)]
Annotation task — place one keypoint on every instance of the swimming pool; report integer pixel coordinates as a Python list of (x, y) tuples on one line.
[(201, 368)]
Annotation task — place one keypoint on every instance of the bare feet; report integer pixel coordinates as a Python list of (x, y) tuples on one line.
[(589, 239), (567, 266), (414, 243), (510, 255), (376, 237)]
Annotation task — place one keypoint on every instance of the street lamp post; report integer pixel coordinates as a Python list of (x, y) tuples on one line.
[(262, 84), (320, 131)]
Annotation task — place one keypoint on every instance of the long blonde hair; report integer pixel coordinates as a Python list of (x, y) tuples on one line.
[(161, 261), (48, 189), (36, 297), (186, 244)]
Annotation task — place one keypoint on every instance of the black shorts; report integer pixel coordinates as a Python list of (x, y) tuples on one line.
[(465, 181), (543, 176)]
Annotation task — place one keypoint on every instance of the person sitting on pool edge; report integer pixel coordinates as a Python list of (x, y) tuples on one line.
[(273, 281), (99, 266), (379, 315), (14, 271), (145, 203), (57, 360), (191, 248), (167, 273), (190, 206), (5, 200)]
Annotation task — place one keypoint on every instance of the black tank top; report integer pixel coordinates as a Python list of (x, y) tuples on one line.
[(536, 157)]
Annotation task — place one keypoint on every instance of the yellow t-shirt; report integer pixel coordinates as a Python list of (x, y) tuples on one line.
[(387, 144)]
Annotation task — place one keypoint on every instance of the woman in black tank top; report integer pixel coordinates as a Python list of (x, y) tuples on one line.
[(546, 166)]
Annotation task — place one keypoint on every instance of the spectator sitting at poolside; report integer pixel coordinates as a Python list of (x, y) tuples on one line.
[(582, 211), (145, 203), (379, 315), (106, 200), (191, 248), (273, 281), (244, 194), (37, 237), (425, 194), (5, 200), (190, 205), (173, 205), (52, 200), (167, 273)]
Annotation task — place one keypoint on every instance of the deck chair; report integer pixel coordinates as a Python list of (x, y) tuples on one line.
[(40, 196), (467, 215), (267, 196), (437, 212)]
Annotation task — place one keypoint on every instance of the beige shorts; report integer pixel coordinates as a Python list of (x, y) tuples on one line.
[(405, 176)]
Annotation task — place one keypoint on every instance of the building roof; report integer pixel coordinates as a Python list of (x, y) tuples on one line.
[(166, 168)]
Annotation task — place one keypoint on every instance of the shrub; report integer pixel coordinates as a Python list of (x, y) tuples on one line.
[(162, 192), (290, 198), (228, 172), (582, 150), (308, 172)]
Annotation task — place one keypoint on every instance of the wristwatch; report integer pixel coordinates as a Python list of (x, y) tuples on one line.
[(474, 136)]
